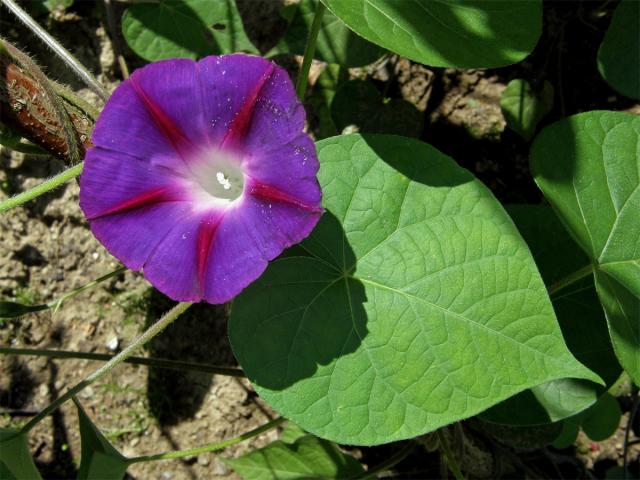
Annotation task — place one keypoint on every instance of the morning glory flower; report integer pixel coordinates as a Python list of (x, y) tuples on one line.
[(201, 173)]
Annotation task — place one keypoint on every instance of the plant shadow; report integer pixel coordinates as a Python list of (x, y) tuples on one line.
[(199, 335), (283, 335)]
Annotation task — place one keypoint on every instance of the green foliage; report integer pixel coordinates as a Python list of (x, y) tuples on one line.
[(306, 457), (581, 319), (588, 168), (185, 28), (99, 459), (602, 419), (15, 309), (15, 459), (419, 303), (360, 103), (335, 43), (523, 107), (619, 54), (447, 33)]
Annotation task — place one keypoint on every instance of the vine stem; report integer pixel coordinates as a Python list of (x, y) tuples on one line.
[(149, 361), (570, 279), (41, 189), (448, 455), (212, 447), (303, 75), (57, 303), (57, 48), (627, 429), (151, 332)]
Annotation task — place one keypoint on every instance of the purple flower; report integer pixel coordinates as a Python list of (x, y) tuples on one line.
[(201, 173)]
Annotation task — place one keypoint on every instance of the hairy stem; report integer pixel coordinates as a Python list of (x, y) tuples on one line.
[(448, 455), (57, 303), (151, 332), (148, 361), (212, 447), (303, 75), (57, 48), (41, 189), (570, 279)]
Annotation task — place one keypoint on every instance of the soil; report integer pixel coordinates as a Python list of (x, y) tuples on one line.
[(47, 250)]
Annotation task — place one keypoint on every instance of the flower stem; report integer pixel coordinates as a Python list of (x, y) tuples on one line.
[(41, 189), (212, 447), (149, 361), (57, 48), (57, 303), (151, 332), (448, 455), (570, 279), (303, 75)]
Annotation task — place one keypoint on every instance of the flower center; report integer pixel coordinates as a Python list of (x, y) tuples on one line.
[(220, 176)]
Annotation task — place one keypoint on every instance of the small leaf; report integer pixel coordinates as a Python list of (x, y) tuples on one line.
[(523, 107), (99, 459), (447, 33), (184, 28), (291, 433), (15, 309), (619, 54), (581, 319), (16, 462), (359, 103), (307, 457), (588, 167), (332, 78), (602, 419), (419, 303), (569, 433), (335, 42)]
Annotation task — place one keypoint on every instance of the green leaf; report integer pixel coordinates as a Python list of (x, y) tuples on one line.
[(619, 54), (335, 43), (15, 459), (322, 95), (307, 457), (419, 303), (447, 33), (291, 433), (15, 309), (185, 28), (588, 167), (360, 103), (569, 433), (581, 319), (523, 107), (99, 459), (602, 419)]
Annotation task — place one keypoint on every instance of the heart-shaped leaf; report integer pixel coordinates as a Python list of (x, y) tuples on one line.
[(523, 107), (619, 54), (335, 42), (184, 28), (15, 459), (581, 319), (447, 33), (419, 303), (588, 167), (602, 419), (306, 457), (99, 459), (359, 103)]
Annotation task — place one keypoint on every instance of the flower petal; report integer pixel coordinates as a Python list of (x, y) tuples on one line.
[(291, 168), (248, 237)]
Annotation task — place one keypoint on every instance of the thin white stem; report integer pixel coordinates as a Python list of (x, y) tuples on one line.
[(57, 48)]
